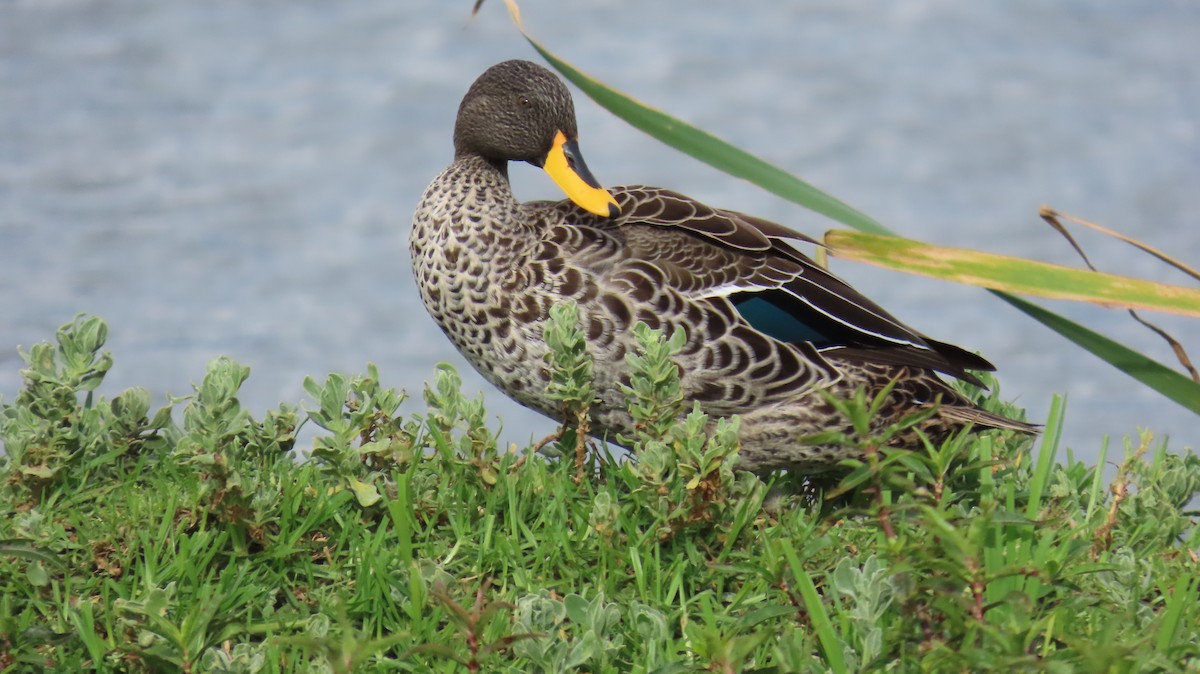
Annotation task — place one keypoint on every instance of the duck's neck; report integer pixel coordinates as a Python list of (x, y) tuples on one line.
[(471, 171), (480, 164), (470, 207)]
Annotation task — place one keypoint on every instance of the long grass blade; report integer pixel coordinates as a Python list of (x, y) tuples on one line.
[(703, 145), (1051, 436), (1012, 274), (1094, 494), (1177, 598), (1157, 376), (830, 643)]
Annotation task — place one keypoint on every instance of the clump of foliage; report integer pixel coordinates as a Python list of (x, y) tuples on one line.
[(134, 540)]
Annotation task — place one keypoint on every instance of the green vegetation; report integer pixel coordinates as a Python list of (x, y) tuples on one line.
[(191, 539)]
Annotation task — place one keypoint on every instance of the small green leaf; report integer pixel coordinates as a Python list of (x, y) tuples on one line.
[(36, 573), (577, 608), (132, 405), (365, 492)]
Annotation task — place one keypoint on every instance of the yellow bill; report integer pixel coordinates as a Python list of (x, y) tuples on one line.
[(565, 165)]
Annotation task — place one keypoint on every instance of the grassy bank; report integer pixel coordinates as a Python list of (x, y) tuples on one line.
[(190, 539)]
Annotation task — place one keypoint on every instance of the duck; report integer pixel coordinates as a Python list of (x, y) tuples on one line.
[(771, 337)]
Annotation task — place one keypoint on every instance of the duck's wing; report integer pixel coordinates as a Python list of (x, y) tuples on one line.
[(753, 264)]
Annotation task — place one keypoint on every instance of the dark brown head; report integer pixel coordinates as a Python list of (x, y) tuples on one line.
[(519, 111), (512, 112)]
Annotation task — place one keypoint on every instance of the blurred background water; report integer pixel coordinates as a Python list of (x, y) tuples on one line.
[(226, 177)]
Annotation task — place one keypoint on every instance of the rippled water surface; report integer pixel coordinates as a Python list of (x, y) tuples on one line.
[(222, 177)]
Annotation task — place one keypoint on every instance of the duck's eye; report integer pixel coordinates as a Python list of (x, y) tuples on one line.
[(524, 102)]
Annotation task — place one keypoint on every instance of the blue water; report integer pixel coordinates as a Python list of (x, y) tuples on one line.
[(224, 177)]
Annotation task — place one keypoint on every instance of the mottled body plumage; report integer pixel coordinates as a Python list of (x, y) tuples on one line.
[(768, 332)]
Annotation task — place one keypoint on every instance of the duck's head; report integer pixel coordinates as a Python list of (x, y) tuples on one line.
[(519, 111)]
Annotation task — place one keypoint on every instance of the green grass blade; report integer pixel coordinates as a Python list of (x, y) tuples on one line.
[(703, 145), (816, 613), (1157, 376), (1094, 494), (1051, 436), (1012, 274), (1178, 597), (400, 510), (16, 547)]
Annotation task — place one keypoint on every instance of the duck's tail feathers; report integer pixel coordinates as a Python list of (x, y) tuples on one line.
[(985, 419)]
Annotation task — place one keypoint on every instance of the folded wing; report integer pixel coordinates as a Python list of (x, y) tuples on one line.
[(708, 253)]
